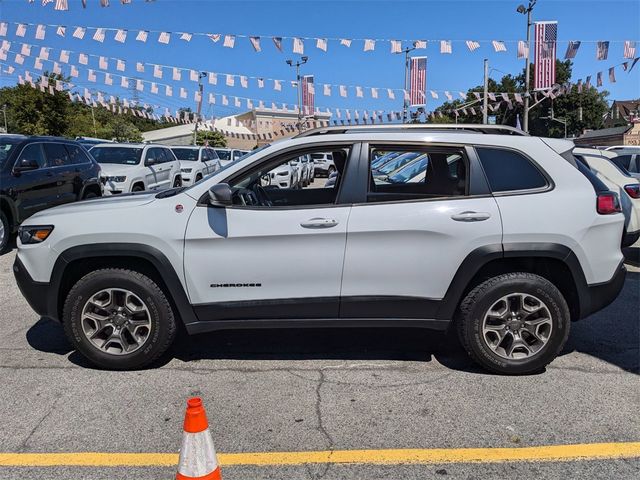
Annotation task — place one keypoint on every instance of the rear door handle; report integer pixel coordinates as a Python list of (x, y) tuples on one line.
[(471, 216), (319, 223)]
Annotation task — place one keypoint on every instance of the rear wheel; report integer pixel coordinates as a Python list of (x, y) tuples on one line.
[(5, 233), (90, 194), (119, 319), (177, 182), (515, 323)]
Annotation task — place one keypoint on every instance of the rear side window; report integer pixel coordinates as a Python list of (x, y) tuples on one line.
[(508, 170), (76, 155), (623, 161), (56, 155)]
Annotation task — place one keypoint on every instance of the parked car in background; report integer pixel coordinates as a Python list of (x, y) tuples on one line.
[(603, 163), (136, 167), (283, 176), (88, 142), (228, 155), (388, 168), (323, 164), (196, 163), (302, 165), (38, 173), (308, 162)]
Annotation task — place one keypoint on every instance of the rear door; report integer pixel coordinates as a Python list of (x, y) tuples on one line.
[(59, 164), (411, 233)]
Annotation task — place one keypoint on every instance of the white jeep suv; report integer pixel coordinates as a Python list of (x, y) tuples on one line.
[(507, 248), (136, 167), (196, 163)]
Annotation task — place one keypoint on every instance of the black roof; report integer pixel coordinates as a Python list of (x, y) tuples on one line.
[(605, 132)]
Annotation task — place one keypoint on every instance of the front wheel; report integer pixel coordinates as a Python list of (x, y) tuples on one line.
[(515, 323), (177, 182), (118, 319)]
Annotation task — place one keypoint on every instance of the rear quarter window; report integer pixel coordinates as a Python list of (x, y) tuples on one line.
[(508, 170)]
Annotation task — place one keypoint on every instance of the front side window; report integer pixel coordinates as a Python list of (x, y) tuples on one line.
[(406, 174), (224, 154), (117, 155), (33, 155), (76, 155), (508, 170), (56, 154), (284, 182)]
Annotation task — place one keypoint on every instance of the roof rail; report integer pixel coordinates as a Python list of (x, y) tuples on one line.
[(394, 127)]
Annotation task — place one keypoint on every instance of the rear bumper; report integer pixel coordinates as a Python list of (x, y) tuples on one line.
[(36, 293), (629, 238), (602, 294)]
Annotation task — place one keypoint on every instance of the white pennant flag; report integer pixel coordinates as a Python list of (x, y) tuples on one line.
[(168, 91), (261, 83), (214, 37), (445, 46), (4, 26), (244, 83), (472, 45), (213, 78), (225, 100), (57, 70), (74, 71), (44, 53), (98, 36), (396, 46), (194, 75), (277, 41), (498, 46), (108, 79), (212, 98), (229, 41), (177, 74), (420, 44), (321, 44), (103, 63), (326, 90), (121, 36), (343, 91), (21, 30), (157, 71), (25, 50), (391, 94), (359, 92), (37, 64), (142, 36), (448, 95), (369, 45), (433, 94), (139, 85), (197, 96), (230, 80), (139, 67), (374, 93), (236, 102), (345, 42), (83, 59), (78, 33), (91, 76), (255, 43), (277, 85), (164, 38), (40, 32), (523, 49), (124, 82), (61, 31), (298, 46), (186, 37), (120, 66), (154, 87)]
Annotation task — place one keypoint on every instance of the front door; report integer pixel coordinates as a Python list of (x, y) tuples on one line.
[(251, 260), (418, 224)]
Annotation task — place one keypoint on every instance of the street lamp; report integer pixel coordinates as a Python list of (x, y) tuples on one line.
[(302, 61), (405, 103), (201, 75), (4, 111), (527, 10)]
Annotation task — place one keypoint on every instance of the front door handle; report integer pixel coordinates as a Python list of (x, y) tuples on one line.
[(471, 216), (319, 223)]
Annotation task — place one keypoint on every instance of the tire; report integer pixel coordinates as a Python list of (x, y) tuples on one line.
[(198, 178), (550, 336), (5, 233), (89, 194), (138, 188), (177, 182), (160, 332)]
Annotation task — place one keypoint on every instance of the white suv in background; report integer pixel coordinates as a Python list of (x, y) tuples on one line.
[(136, 167), (196, 163), (229, 155), (323, 164), (507, 248)]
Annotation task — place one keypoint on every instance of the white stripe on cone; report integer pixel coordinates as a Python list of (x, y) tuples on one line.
[(197, 455)]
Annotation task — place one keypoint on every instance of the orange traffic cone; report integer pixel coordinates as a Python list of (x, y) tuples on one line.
[(197, 455)]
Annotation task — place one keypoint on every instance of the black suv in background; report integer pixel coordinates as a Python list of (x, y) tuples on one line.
[(41, 172)]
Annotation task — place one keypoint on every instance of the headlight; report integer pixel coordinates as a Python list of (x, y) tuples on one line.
[(116, 179), (34, 234), (186, 170)]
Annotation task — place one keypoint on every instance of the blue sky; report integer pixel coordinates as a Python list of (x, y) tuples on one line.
[(484, 21)]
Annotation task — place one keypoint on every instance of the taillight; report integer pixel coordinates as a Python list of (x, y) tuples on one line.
[(608, 203), (633, 190)]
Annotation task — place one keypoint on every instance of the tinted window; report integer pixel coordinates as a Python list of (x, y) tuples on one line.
[(56, 155), (237, 154), (507, 170), (76, 154), (623, 161), (212, 154), (168, 155), (118, 155), (5, 148), (187, 154), (33, 153), (224, 154)]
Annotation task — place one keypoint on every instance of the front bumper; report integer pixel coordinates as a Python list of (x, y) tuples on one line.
[(36, 293)]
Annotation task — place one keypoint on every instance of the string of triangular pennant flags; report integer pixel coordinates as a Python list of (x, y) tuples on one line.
[(63, 5)]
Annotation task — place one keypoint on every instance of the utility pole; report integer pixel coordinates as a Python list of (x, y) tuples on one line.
[(522, 9), (4, 111), (201, 75), (298, 64), (405, 103), (93, 117), (485, 96)]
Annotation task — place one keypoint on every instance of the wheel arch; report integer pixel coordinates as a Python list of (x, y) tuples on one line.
[(555, 262), (76, 262)]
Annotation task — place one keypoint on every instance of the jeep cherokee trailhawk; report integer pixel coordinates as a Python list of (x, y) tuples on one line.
[(504, 237)]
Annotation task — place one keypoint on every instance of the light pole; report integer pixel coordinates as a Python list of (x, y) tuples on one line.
[(522, 9), (201, 75), (4, 111), (563, 121), (405, 103), (297, 64)]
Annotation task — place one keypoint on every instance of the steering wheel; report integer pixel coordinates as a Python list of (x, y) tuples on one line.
[(263, 198)]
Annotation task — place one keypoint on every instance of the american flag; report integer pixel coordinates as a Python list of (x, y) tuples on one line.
[(417, 81), (572, 49), (523, 49), (121, 36), (308, 94), (602, 50), (629, 49), (472, 45), (546, 34)]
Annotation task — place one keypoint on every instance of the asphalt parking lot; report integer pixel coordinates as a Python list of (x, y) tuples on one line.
[(320, 390)]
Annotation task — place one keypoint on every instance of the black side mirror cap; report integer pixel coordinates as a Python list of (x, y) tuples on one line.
[(220, 195)]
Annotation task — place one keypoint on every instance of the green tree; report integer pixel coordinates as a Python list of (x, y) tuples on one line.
[(213, 139)]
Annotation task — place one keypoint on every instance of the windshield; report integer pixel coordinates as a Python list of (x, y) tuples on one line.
[(188, 154), (117, 155), (398, 162), (5, 149), (223, 154), (407, 172)]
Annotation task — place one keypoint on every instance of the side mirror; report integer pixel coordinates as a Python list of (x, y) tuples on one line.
[(26, 164), (220, 195), (150, 161)]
